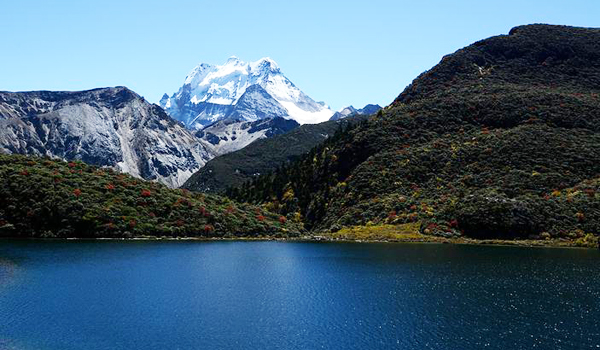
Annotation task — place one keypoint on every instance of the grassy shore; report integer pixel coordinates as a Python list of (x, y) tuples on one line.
[(411, 233)]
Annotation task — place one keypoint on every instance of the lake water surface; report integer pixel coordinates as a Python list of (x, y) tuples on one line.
[(274, 295)]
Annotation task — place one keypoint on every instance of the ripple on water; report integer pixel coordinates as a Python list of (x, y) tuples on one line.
[(266, 295), (8, 270)]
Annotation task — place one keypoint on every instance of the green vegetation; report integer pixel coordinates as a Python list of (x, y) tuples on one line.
[(499, 141), (405, 233), (40, 197), (412, 232), (262, 156)]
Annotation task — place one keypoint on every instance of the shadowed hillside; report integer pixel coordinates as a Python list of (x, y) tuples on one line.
[(499, 140), (262, 156)]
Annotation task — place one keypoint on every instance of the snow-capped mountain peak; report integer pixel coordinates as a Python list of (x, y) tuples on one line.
[(211, 92), (233, 59), (262, 65), (198, 73)]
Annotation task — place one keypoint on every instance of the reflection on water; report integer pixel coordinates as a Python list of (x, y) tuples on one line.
[(274, 295), (7, 274)]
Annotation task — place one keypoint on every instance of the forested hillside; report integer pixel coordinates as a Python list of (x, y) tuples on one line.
[(499, 140), (40, 197), (262, 156)]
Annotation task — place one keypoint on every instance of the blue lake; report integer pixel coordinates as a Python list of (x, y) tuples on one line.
[(290, 295)]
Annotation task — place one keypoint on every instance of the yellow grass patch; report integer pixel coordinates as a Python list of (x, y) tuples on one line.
[(404, 232)]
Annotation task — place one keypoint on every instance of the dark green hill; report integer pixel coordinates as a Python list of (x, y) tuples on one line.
[(47, 198), (261, 156), (499, 140)]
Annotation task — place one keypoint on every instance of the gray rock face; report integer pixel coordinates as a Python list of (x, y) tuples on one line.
[(112, 127), (231, 134)]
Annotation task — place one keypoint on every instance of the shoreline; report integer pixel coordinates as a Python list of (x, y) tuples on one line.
[(554, 243)]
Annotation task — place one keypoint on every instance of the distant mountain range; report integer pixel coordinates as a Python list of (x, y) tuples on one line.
[(117, 128), (245, 91), (351, 111)]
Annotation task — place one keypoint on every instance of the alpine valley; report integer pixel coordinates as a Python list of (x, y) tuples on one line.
[(499, 141)]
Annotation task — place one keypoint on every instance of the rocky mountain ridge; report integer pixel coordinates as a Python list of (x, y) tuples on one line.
[(351, 111), (111, 127), (231, 134)]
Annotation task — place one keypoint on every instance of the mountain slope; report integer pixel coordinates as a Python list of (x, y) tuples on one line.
[(263, 156), (49, 198), (107, 127), (211, 93), (232, 134), (257, 104), (499, 140)]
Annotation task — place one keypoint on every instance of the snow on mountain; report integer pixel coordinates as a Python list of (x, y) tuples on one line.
[(212, 92), (255, 104), (256, 115), (112, 127)]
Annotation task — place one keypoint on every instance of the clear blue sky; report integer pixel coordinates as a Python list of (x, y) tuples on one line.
[(340, 52)]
